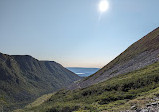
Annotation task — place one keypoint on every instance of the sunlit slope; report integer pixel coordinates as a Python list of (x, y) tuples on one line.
[(140, 54)]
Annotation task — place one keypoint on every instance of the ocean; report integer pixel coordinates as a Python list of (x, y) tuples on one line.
[(83, 72)]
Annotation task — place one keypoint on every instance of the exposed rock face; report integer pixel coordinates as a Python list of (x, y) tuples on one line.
[(140, 54), (24, 78)]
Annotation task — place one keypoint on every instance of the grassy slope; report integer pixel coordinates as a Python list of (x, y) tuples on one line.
[(37, 102), (117, 93)]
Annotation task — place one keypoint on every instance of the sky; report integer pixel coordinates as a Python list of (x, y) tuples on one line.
[(74, 33)]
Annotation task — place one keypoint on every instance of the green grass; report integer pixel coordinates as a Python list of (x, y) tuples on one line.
[(117, 93), (39, 100)]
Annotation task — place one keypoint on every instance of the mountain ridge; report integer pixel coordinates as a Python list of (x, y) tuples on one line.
[(24, 78)]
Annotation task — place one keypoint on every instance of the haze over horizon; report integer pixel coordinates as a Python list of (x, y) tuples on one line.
[(70, 32)]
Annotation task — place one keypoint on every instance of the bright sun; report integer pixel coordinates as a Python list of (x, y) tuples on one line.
[(103, 5)]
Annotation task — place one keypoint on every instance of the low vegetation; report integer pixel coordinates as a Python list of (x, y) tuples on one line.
[(117, 93)]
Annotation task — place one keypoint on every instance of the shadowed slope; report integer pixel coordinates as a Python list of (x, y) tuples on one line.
[(24, 78)]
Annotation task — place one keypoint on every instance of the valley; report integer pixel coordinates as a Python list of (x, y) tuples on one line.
[(129, 82), (116, 94), (79, 56)]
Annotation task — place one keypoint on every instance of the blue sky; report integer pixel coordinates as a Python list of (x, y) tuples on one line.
[(70, 32)]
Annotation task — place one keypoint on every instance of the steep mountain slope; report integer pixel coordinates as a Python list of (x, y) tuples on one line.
[(24, 78), (140, 54)]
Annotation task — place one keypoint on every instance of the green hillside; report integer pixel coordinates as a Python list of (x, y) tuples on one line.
[(24, 78), (115, 94)]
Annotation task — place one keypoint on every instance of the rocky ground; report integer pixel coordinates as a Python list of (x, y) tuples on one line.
[(149, 107)]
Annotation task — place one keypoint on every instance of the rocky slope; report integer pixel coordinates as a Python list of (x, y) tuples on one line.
[(24, 78), (140, 54)]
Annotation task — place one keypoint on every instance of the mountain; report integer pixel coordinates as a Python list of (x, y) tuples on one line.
[(140, 54), (83, 72), (24, 78), (129, 82)]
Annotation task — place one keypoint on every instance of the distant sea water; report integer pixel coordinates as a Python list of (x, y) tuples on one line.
[(83, 72)]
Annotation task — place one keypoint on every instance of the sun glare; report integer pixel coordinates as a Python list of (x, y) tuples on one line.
[(103, 5)]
